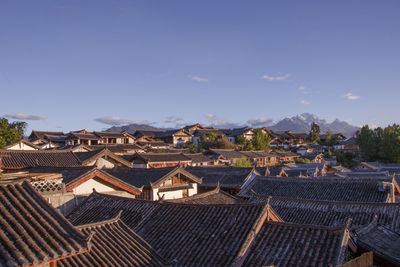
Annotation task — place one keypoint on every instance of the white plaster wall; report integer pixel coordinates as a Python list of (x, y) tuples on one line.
[(104, 164), (193, 191), (21, 146), (87, 187), (47, 146), (101, 163), (174, 194), (167, 195)]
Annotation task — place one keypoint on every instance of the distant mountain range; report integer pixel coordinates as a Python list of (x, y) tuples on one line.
[(297, 124), (302, 123), (131, 128)]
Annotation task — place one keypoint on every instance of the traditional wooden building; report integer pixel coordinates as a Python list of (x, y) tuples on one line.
[(215, 196), (246, 132), (192, 128), (229, 179), (22, 145), (175, 137), (165, 183), (225, 157), (261, 158), (39, 137), (159, 160), (82, 137), (102, 159), (115, 137), (199, 159), (285, 157)]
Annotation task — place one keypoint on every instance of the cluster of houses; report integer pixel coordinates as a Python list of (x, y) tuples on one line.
[(99, 199), (153, 149)]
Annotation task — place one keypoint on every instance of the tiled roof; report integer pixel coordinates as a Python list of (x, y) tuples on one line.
[(87, 135), (87, 157), (19, 159), (363, 174), (23, 141), (329, 213), (100, 207), (192, 235), (215, 196), (228, 153), (41, 134), (239, 131), (227, 177), (160, 157), (149, 177), (284, 244), (33, 232), (115, 244), (117, 147), (383, 242), (110, 134), (68, 173), (199, 235), (330, 188), (198, 157)]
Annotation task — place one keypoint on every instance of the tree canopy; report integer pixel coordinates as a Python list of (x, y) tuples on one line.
[(380, 144), (243, 163), (314, 132), (11, 132)]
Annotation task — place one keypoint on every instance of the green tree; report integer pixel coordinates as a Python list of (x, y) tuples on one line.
[(192, 147), (261, 140), (330, 140), (243, 144), (367, 141), (11, 132), (314, 132), (302, 160), (389, 144), (243, 163), (241, 140), (224, 143)]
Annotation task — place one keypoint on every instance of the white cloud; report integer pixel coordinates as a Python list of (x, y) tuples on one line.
[(304, 102), (303, 89), (23, 116), (275, 78), (261, 122), (179, 122), (220, 122), (350, 96), (197, 78)]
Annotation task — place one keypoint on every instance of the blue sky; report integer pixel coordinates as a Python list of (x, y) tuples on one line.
[(67, 65)]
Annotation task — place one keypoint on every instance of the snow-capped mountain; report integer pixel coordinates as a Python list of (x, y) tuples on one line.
[(302, 123)]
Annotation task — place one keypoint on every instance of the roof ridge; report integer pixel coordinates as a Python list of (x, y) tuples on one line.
[(102, 223)]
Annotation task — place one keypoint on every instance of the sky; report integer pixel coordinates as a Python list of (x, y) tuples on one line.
[(80, 64)]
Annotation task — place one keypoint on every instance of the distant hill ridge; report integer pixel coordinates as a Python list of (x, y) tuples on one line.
[(298, 124)]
